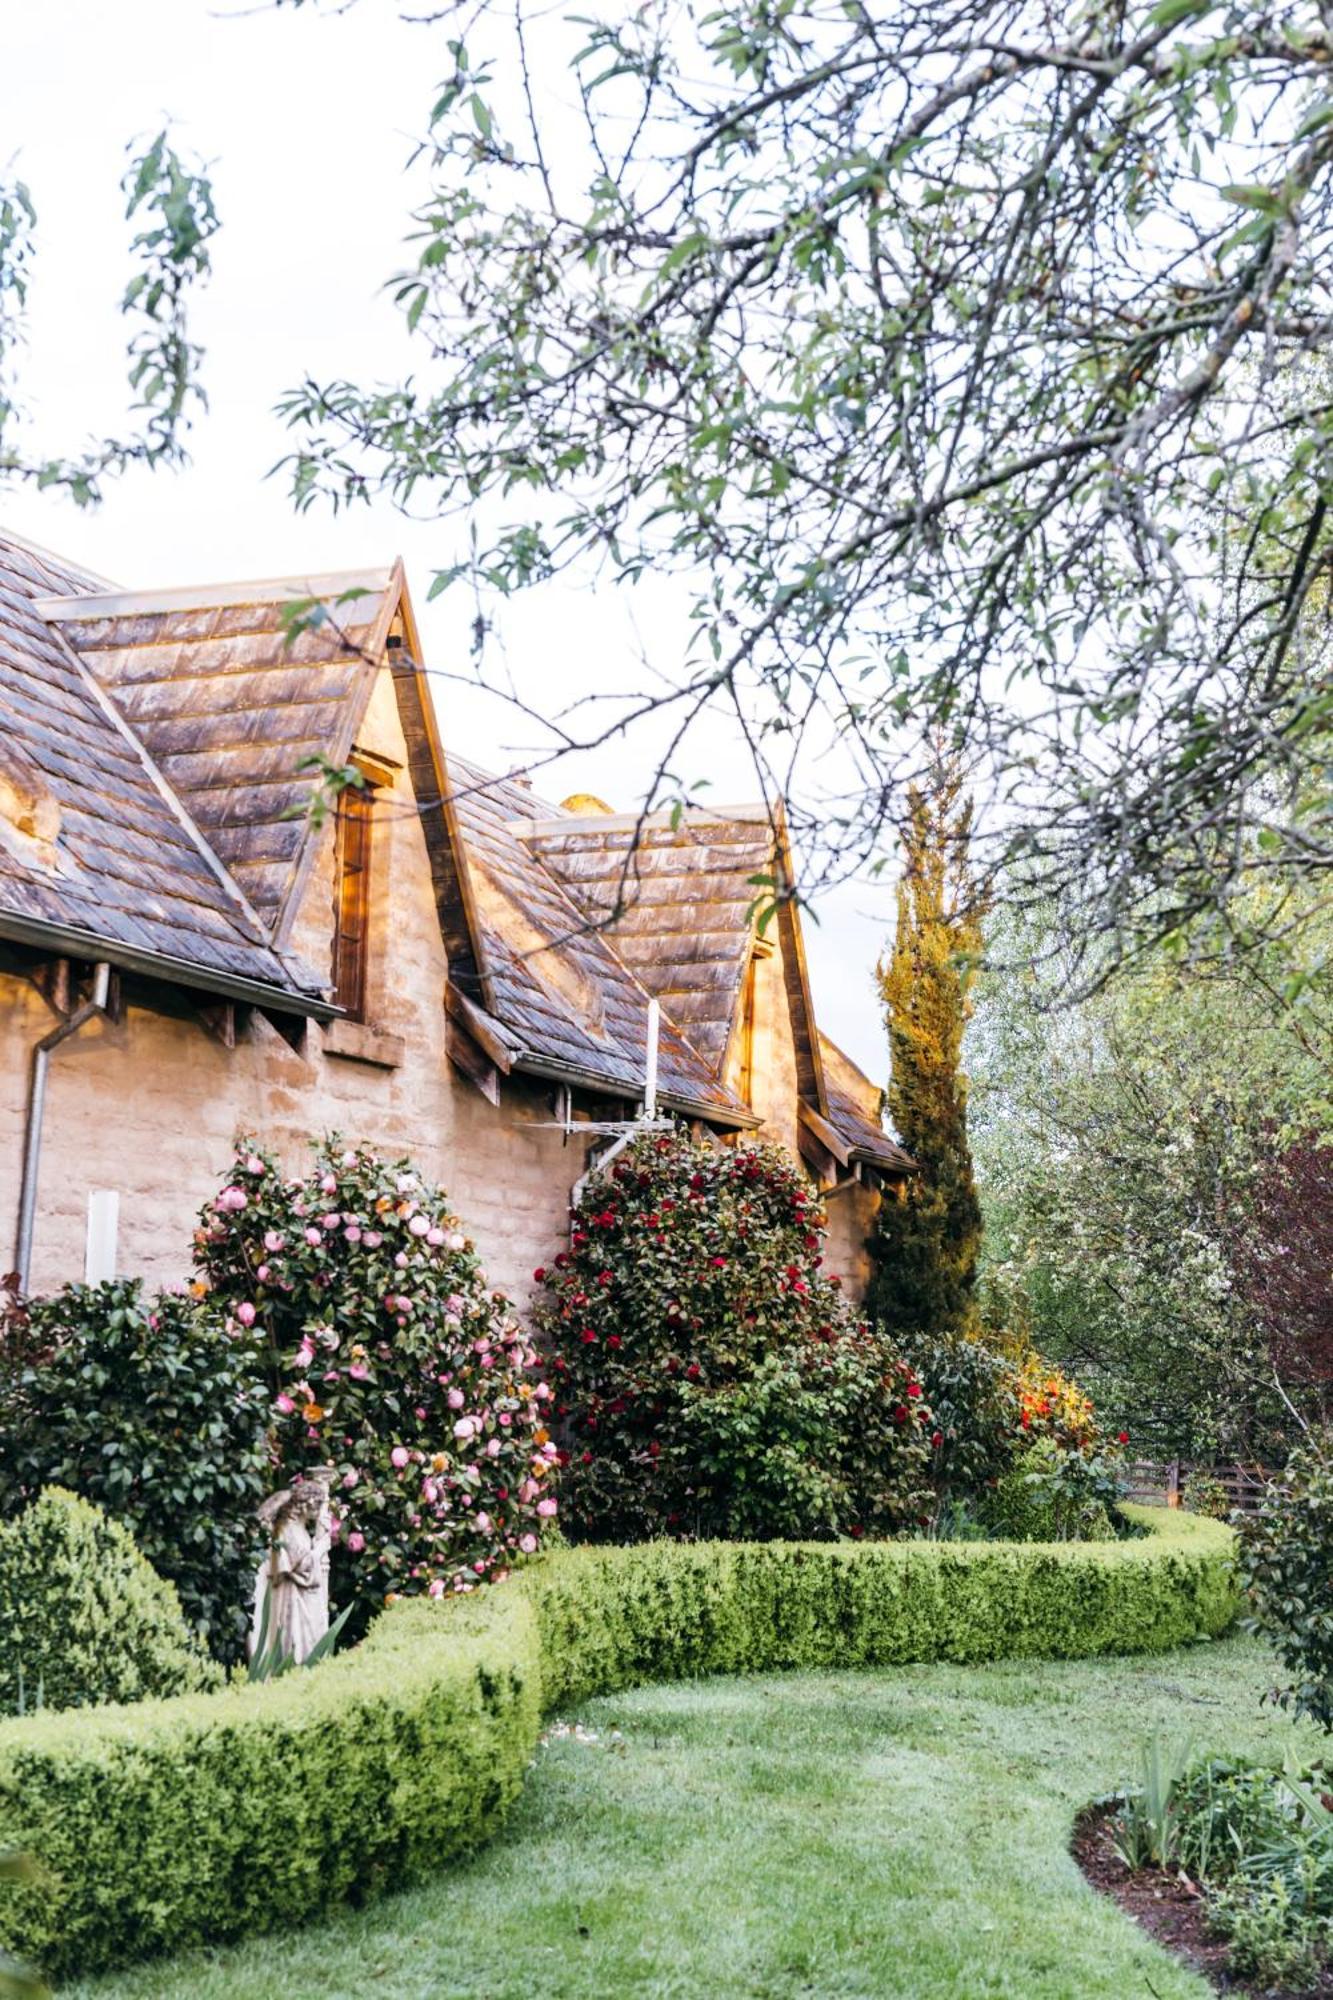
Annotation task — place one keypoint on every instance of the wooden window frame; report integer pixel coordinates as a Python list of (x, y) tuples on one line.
[(353, 899)]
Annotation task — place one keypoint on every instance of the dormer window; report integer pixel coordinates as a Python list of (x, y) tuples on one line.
[(352, 899)]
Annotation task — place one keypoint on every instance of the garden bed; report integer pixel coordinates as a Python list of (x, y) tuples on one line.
[(202, 1818), (1169, 1910)]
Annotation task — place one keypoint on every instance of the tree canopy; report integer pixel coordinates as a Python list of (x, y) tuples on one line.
[(968, 361)]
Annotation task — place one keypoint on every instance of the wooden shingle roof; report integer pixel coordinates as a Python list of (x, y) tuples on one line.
[(855, 1113), (563, 997), (127, 869), (229, 702), (676, 901)]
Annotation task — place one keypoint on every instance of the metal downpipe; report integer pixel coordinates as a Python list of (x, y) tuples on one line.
[(32, 1136)]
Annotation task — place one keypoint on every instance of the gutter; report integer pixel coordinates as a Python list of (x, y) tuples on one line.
[(555, 1071), (32, 1136), (69, 942)]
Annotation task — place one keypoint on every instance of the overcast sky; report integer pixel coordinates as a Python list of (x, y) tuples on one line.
[(308, 120)]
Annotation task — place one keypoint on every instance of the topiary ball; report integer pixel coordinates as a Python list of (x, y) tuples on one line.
[(83, 1617)]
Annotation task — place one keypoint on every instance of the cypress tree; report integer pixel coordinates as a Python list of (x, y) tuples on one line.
[(926, 1245)]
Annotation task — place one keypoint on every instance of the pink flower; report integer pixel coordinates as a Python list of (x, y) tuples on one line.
[(436, 1587), (419, 1225), (399, 1456), (528, 1490), (231, 1200), (456, 1399), (245, 1313), (457, 1241), (356, 1542), (253, 1164), (546, 1508), (273, 1241), (404, 1303), (493, 1448), (353, 1233), (400, 1261), (483, 1522), (435, 1237), (351, 1477), (313, 1238), (263, 1274), (465, 1428), (305, 1353), (455, 1303), (372, 1239), (330, 1221), (528, 1544), (283, 1405), (359, 1372), (329, 1184)]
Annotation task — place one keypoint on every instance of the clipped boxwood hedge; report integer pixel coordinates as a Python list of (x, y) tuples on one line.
[(177, 1822)]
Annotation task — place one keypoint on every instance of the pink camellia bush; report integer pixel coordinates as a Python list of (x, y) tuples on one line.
[(389, 1358)]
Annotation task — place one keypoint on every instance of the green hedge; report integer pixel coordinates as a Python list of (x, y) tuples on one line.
[(176, 1822)]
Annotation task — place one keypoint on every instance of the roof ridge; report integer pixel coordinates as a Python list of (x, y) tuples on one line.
[(10, 538)]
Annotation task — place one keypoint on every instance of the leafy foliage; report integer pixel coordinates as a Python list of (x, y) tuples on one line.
[(974, 361), (927, 1244), (141, 1406), (1286, 1565), (356, 1291), (1151, 1205), (83, 1618), (174, 206), (709, 1379), (198, 1826)]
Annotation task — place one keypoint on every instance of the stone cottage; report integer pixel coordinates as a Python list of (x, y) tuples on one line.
[(440, 963)]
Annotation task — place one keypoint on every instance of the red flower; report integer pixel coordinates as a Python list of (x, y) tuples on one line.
[(938, 1439), (578, 1239), (718, 1263), (914, 1388), (900, 1414), (587, 1458), (693, 1371), (654, 1449), (613, 1340), (539, 1274), (1122, 1437), (588, 1336)]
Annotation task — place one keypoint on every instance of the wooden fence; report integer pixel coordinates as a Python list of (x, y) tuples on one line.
[(1163, 1485)]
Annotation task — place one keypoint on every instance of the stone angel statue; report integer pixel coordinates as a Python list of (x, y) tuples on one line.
[(293, 1579)]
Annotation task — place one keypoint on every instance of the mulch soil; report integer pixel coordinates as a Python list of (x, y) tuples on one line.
[(1170, 1910)]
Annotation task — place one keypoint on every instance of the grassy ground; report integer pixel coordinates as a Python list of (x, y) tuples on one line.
[(901, 1833)]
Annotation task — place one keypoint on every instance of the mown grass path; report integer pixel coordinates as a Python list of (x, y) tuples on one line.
[(886, 1834)]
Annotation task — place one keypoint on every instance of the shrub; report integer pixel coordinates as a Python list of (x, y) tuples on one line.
[(974, 1399), (710, 1381), (366, 1307), (179, 1822), (83, 1618), (143, 1407), (1287, 1566), (1049, 1493)]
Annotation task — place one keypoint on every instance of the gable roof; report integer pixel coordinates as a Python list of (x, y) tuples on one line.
[(229, 703), (855, 1114), (565, 998), (169, 728), (129, 876), (676, 898)]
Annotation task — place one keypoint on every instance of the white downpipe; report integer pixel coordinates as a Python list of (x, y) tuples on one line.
[(650, 1080)]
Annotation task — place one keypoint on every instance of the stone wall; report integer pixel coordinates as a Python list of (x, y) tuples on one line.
[(851, 1210)]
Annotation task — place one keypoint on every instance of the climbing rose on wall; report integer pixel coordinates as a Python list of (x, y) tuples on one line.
[(387, 1357), (709, 1379)]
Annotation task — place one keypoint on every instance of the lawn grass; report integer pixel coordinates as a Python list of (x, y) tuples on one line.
[(893, 1833)]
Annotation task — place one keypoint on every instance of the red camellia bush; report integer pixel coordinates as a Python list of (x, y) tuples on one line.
[(709, 1380), (390, 1359)]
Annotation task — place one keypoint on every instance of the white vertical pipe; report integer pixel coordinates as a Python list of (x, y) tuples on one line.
[(650, 1080)]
